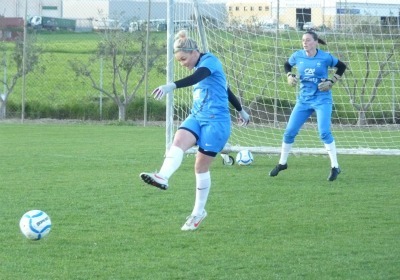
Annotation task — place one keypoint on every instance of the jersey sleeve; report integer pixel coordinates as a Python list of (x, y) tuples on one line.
[(334, 61), (292, 59)]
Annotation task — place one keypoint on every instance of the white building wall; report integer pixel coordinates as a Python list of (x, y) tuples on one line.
[(50, 8), (12, 8), (65, 8), (371, 9), (86, 9), (16, 8)]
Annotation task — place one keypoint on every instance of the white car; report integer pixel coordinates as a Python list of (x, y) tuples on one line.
[(309, 26), (268, 27)]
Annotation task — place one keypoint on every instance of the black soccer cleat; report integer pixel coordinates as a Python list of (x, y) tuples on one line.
[(335, 171), (155, 180), (277, 168)]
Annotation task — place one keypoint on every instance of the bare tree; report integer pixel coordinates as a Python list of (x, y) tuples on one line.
[(15, 69), (360, 99), (124, 59)]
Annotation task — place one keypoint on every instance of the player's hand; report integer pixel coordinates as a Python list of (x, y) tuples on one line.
[(291, 79), (159, 92), (244, 118), (325, 85), (336, 78)]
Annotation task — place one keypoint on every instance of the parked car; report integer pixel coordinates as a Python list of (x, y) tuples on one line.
[(52, 23), (309, 26), (284, 26), (268, 27)]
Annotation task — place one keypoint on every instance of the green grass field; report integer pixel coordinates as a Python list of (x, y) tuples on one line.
[(108, 225)]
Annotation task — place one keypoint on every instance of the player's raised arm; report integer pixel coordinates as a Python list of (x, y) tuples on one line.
[(200, 74)]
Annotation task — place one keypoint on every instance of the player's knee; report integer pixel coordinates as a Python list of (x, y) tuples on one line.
[(326, 137), (288, 138)]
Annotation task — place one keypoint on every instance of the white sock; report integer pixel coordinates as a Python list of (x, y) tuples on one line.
[(172, 161), (203, 185), (285, 150), (331, 148)]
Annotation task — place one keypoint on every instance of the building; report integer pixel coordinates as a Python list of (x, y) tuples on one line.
[(106, 11), (330, 14), (11, 28), (333, 15), (384, 15), (249, 12)]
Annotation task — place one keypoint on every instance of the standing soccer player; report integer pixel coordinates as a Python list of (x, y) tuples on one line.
[(208, 124), (314, 95)]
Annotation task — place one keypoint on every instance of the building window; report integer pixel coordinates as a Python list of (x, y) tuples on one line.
[(266, 8), (251, 8), (260, 8), (230, 8), (49, 8), (237, 8), (245, 8)]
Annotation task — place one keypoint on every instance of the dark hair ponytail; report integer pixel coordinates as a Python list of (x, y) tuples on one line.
[(322, 42), (315, 36)]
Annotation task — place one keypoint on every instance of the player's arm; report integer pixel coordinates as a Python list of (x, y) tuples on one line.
[(327, 84), (198, 75), (244, 117), (288, 67), (234, 101), (340, 68), (291, 78)]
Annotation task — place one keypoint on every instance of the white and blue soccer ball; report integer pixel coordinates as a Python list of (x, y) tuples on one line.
[(244, 157), (35, 224)]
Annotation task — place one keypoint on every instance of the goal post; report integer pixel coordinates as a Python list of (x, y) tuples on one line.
[(254, 38)]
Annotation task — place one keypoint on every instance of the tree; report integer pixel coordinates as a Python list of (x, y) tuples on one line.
[(360, 99), (123, 55), (32, 56)]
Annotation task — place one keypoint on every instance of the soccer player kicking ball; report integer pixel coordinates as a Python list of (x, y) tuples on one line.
[(208, 124), (315, 95)]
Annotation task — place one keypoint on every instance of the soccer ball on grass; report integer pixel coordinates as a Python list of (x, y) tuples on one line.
[(244, 157), (35, 224)]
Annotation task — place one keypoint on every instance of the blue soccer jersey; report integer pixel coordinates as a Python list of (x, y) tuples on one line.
[(311, 70), (210, 96)]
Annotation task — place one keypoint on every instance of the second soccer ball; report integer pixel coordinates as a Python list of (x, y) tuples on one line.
[(244, 157)]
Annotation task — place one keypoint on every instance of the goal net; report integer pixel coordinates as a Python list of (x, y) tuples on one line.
[(254, 38)]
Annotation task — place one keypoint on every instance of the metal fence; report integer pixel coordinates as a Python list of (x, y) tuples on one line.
[(49, 48)]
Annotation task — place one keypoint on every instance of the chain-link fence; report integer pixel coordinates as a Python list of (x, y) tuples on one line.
[(81, 59)]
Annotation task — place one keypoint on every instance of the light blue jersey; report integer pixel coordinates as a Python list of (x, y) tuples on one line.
[(311, 70), (210, 120), (210, 96)]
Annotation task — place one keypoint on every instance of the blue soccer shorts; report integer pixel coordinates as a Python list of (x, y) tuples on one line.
[(301, 112), (211, 135)]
